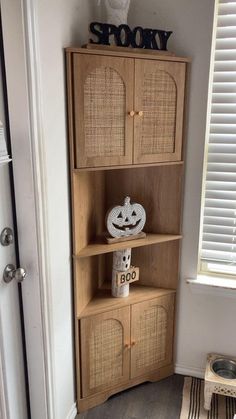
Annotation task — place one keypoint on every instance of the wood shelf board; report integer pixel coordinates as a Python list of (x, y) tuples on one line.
[(131, 50), (130, 54), (99, 246), (103, 300), (128, 166)]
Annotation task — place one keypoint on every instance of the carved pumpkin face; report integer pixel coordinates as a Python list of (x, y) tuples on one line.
[(126, 220), (121, 260)]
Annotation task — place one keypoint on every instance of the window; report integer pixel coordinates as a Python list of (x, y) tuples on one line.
[(218, 225)]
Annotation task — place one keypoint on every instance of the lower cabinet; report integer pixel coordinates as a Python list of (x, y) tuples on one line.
[(105, 342), (120, 345), (151, 335)]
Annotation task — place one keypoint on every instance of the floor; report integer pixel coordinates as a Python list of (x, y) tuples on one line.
[(160, 400)]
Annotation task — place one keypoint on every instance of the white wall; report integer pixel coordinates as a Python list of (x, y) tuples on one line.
[(63, 23), (60, 23), (205, 322)]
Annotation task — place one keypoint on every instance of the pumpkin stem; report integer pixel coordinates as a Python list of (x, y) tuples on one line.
[(127, 200)]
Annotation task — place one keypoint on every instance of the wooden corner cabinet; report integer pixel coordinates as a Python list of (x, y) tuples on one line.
[(125, 113)]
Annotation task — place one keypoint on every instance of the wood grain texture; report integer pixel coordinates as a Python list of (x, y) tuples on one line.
[(99, 247), (98, 82), (70, 114), (70, 119), (151, 181), (111, 240), (128, 49), (127, 277), (157, 189), (103, 300), (128, 54), (128, 166), (88, 207), (94, 193), (88, 278), (159, 265)]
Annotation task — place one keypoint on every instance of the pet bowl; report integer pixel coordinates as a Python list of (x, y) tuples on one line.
[(225, 368)]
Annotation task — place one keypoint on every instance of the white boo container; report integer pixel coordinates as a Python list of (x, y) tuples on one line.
[(121, 263)]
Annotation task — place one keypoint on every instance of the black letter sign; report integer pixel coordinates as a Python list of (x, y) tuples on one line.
[(125, 37)]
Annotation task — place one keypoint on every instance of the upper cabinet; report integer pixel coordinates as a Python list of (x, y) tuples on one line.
[(103, 97), (126, 110), (159, 100)]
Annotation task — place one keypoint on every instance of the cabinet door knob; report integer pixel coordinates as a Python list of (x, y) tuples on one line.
[(133, 343), (140, 113), (131, 113), (126, 346)]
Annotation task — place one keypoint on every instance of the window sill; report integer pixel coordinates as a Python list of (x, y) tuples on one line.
[(218, 286)]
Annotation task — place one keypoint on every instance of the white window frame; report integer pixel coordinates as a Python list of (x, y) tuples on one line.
[(210, 268)]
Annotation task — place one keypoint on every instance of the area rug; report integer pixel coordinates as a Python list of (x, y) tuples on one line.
[(193, 402)]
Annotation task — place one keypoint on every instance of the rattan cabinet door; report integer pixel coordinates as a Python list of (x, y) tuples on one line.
[(105, 343), (159, 105), (103, 99), (151, 335)]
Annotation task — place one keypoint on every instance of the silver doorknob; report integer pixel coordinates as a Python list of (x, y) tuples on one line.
[(6, 236), (10, 272)]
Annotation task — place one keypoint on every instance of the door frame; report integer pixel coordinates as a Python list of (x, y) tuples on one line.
[(20, 49), (4, 414)]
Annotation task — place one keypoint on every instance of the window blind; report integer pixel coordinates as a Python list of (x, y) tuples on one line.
[(219, 214)]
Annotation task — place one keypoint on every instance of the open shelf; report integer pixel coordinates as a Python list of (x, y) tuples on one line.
[(157, 189), (98, 247), (103, 300)]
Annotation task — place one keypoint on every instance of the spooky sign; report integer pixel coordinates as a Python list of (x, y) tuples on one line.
[(126, 277), (124, 36)]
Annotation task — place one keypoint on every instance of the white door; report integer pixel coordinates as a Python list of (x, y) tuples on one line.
[(12, 375), (28, 197)]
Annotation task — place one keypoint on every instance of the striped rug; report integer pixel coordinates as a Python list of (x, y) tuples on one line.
[(193, 400)]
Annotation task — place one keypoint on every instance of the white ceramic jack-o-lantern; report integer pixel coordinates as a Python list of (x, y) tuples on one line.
[(126, 220)]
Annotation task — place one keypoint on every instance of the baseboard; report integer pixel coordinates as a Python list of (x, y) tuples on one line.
[(190, 371), (73, 412)]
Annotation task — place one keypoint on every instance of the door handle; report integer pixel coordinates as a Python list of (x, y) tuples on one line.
[(6, 236), (11, 272)]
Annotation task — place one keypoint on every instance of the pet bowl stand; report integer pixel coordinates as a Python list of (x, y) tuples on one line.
[(216, 384)]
